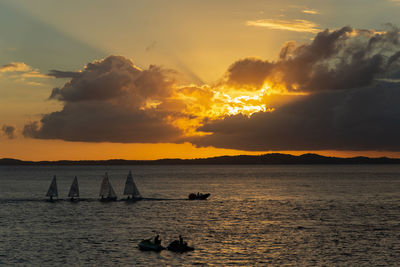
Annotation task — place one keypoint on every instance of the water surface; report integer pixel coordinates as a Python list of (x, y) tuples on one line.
[(257, 215)]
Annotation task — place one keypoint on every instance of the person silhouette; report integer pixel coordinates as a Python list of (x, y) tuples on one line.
[(157, 240)]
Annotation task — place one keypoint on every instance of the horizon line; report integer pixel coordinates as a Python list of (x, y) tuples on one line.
[(311, 156)]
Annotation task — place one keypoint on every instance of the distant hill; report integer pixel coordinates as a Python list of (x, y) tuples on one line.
[(274, 158)]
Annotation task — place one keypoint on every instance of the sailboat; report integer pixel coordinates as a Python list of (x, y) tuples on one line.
[(130, 188), (52, 192), (107, 192), (74, 190)]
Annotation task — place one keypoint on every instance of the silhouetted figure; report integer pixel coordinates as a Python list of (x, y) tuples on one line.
[(179, 246), (157, 240)]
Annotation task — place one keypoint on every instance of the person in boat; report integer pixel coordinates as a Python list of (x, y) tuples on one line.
[(181, 241), (157, 240)]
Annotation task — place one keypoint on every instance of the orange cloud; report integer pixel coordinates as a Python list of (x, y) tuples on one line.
[(311, 11), (19, 71), (297, 25), (15, 66)]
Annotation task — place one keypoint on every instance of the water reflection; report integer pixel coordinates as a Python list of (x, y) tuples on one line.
[(265, 215)]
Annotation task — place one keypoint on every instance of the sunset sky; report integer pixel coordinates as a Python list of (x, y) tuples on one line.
[(187, 79)]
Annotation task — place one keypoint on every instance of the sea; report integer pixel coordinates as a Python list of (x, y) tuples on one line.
[(257, 215)]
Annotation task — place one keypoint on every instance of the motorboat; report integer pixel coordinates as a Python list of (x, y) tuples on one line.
[(177, 246), (198, 196), (148, 245)]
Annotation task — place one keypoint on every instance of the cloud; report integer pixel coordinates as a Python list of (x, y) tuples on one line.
[(9, 131), (111, 100), (340, 59), (329, 94), (249, 72), (113, 77), (34, 74), (151, 46), (63, 74), (311, 11), (346, 105), (15, 66), (20, 71), (359, 119), (297, 25)]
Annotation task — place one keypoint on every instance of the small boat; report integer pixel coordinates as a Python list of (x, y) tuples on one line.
[(107, 192), (149, 245), (131, 189), (177, 246), (52, 192), (74, 190), (198, 196)]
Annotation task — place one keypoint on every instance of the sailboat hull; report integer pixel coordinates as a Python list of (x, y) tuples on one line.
[(132, 199), (52, 200), (108, 199)]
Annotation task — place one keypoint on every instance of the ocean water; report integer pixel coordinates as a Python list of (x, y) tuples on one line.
[(256, 216)]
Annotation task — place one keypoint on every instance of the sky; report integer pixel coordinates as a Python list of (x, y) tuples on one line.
[(157, 79)]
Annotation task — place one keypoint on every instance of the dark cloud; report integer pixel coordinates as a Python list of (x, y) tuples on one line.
[(363, 115), (341, 59), (108, 101), (103, 122), (63, 74), (249, 72), (9, 131), (151, 46), (358, 119), (114, 77)]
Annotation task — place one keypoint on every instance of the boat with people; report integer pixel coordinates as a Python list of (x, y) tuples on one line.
[(198, 196), (131, 189), (148, 245), (179, 246), (74, 190), (53, 191), (107, 192)]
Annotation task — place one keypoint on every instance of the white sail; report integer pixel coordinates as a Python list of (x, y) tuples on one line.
[(130, 187), (106, 190), (111, 192), (52, 192), (136, 193), (74, 190)]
